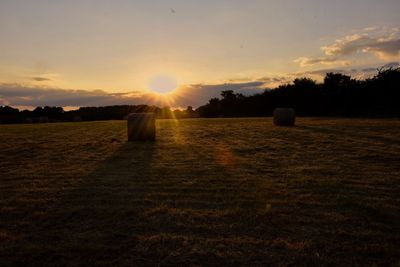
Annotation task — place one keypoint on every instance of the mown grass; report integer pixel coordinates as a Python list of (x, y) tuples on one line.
[(207, 192)]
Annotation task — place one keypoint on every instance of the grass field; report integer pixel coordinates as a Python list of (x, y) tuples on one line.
[(207, 192)]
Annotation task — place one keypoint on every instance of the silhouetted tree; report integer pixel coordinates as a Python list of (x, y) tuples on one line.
[(338, 95)]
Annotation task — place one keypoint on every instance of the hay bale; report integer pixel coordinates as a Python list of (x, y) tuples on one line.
[(141, 127), (77, 118), (284, 116), (43, 119)]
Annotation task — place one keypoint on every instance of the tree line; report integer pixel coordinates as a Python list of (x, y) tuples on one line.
[(338, 95), (57, 114)]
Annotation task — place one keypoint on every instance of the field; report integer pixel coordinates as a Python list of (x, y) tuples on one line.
[(207, 192)]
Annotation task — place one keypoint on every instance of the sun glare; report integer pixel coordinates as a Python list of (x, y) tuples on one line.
[(162, 84)]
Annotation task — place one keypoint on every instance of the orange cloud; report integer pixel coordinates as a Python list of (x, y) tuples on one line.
[(306, 61)]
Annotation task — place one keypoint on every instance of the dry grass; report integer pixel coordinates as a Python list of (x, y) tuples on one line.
[(208, 192)]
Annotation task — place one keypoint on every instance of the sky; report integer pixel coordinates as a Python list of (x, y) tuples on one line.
[(96, 52)]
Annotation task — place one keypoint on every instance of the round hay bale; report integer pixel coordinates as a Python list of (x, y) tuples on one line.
[(141, 127), (43, 119), (77, 118), (284, 117)]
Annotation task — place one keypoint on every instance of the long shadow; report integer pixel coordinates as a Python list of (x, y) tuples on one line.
[(349, 134), (96, 221)]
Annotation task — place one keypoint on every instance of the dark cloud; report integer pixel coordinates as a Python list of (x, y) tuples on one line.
[(273, 79), (19, 95), (321, 72), (199, 94), (265, 79), (194, 95), (279, 79), (392, 65), (371, 69), (386, 66), (385, 49), (358, 73), (3, 102), (40, 79)]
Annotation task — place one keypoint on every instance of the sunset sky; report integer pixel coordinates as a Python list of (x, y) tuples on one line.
[(97, 52)]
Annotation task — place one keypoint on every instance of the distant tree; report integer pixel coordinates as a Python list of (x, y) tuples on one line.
[(9, 115), (7, 110), (165, 113), (228, 95), (190, 112), (336, 80), (37, 112)]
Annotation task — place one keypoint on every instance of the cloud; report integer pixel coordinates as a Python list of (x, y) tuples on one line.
[(3, 102), (306, 61), (370, 69), (358, 73), (277, 79), (199, 94), (274, 81), (384, 47), (392, 65), (19, 95), (386, 66), (318, 72), (41, 79), (193, 95), (382, 43), (368, 29)]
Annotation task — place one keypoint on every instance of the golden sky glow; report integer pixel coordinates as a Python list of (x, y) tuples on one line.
[(123, 46), (162, 84)]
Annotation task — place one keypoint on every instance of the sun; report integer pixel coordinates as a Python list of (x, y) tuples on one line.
[(162, 84)]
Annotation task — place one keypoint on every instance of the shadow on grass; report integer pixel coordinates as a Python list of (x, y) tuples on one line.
[(97, 220), (354, 135)]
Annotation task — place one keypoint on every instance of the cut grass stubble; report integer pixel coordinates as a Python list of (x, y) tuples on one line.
[(208, 191)]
